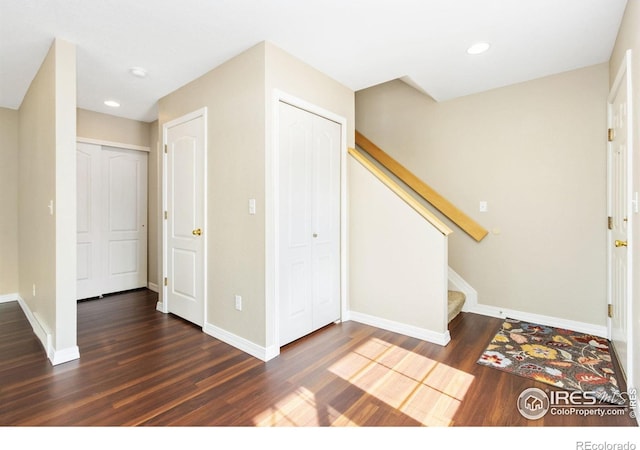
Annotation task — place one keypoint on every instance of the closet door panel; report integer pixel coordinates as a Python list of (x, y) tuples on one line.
[(88, 201), (309, 222), (111, 220), (125, 229)]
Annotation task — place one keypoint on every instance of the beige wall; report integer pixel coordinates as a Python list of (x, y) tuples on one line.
[(234, 96), (8, 201), (105, 127), (239, 99), (47, 133), (290, 75), (154, 220), (629, 38), (397, 259), (536, 153)]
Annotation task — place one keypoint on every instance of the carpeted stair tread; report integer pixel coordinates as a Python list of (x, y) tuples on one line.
[(455, 303)]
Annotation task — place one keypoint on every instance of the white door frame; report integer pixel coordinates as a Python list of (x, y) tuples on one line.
[(163, 301), (632, 207), (272, 227)]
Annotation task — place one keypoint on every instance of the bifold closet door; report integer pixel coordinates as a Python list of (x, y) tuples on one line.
[(112, 220), (309, 222)]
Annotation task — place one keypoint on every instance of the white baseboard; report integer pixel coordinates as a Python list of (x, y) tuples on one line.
[(39, 328), (65, 355), (46, 338), (6, 298), (401, 328), (240, 343), (152, 287), (160, 307), (503, 313)]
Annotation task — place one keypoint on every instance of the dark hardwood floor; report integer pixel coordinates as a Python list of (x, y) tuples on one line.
[(141, 367)]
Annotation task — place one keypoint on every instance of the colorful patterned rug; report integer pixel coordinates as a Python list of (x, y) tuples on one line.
[(561, 358)]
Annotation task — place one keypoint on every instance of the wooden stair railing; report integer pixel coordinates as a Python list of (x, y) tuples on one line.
[(466, 223), (400, 192)]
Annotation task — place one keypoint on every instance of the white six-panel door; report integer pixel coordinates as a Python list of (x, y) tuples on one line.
[(111, 220), (309, 222)]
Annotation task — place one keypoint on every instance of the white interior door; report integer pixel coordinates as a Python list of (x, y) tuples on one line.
[(88, 201), (309, 222), (124, 182), (185, 223), (620, 209)]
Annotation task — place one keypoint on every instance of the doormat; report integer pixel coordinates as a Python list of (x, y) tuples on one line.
[(555, 356)]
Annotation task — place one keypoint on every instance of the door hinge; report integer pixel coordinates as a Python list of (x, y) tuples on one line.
[(165, 148), (166, 216), (609, 222), (610, 310), (610, 134), (166, 281)]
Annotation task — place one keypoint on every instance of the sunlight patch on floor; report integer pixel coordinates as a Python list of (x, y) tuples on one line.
[(297, 409), (412, 387), (427, 391)]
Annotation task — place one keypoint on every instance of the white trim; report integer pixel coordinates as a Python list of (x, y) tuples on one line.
[(6, 298), (65, 355), (503, 313), (141, 148), (163, 306), (271, 214), (46, 338), (401, 328), (238, 342), (456, 282), (38, 327), (152, 287)]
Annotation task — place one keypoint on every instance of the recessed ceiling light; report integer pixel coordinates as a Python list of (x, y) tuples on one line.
[(478, 47), (138, 72), (112, 103)]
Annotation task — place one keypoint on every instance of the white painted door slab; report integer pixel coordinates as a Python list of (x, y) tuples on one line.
[(620, 209), (89, 201), (125, 224), (111, 220), (309, 222), (185, 223)]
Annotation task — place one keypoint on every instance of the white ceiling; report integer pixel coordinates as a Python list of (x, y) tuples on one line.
[(358, 42)]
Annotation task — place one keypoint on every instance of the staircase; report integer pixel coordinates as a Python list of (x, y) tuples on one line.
[(455, 303)]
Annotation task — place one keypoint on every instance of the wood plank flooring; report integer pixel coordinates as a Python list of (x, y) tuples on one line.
[(141, 367)]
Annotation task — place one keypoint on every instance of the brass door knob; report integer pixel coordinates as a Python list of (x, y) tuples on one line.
[(197, 232), (620, 243)]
